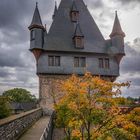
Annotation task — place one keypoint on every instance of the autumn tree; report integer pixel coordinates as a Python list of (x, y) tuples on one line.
[(89, 110)]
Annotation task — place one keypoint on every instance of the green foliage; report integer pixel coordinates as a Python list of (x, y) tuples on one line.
[(4, 107), (19, 95)]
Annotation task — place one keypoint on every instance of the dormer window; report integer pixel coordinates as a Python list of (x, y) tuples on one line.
[(79, 42), (78, 37), (74, 16)]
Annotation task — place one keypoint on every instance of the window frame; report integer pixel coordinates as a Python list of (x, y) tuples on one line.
[(81, 62), (54, 62), (104, 63), (101, 63), (74, 16)]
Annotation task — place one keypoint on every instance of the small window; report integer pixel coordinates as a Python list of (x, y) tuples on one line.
[(79, 62), (32, 35), (76, 61), (101, 64), (107, 63), (83, 62), (104, 63), (79, 42), (51, 61), (54, 60), (57, 60), (74, 16)]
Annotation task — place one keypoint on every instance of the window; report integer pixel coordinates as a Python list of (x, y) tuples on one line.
[(32, 35), (101, 64), (79, 62), (79, 42), (76, 61), (74, 16), (107, 63), (104, 63), (54, 60), (57, 60)]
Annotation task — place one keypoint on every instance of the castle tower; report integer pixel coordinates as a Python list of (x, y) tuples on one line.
[(73, 44), (36, 34), (117, 39)]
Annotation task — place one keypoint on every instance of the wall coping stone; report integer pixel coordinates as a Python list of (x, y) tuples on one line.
[(15, 117)]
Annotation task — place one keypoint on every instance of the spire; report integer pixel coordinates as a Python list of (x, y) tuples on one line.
[(55, 10), (117, 30), (36, 21), (78, 31)]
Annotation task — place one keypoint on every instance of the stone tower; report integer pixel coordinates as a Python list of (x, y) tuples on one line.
[(73, 44)]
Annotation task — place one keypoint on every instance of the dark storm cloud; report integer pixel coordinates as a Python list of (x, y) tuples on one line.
[(131, 62), (128, 4), (94, 4), (17, 64), (130, 68), (16, 15), (129, 1)]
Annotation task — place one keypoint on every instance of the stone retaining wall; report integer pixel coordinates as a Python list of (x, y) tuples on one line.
[(14, 126)]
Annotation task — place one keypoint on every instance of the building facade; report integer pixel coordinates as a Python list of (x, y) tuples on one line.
[(73, 44)]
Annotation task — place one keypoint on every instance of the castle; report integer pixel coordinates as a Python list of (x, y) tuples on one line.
[(73, 44)]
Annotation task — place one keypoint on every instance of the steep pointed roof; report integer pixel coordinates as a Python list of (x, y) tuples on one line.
[(78, 31), (61, 32), (55, 10), (36, 21), (74, 7), (117, 30)]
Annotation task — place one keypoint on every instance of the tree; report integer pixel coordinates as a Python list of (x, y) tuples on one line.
[(19, 95), (89, 110), (4, 107)]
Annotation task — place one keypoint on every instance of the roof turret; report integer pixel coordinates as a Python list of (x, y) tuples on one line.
[(36, 21), (117, 30)]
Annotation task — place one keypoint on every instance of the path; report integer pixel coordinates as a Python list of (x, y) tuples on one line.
[(36, 131)]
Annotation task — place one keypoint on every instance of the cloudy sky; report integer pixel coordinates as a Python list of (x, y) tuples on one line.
[(17, 64)]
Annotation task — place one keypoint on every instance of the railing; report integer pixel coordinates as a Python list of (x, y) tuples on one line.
[(48, 131)]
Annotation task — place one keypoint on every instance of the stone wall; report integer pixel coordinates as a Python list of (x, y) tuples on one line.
[(49, 92), (14, 126)]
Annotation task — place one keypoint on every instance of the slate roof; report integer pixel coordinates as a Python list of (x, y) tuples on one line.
[(61, 32), (23, 106), (36, 18), (78, 31), (74, 7), (117, 30), (55, 10)]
